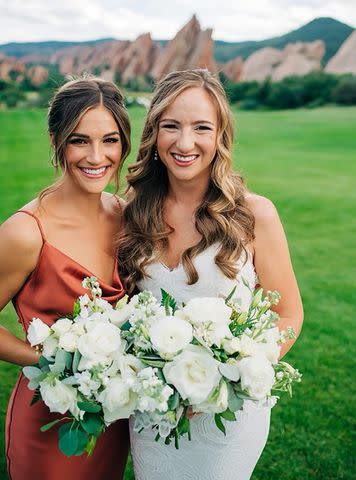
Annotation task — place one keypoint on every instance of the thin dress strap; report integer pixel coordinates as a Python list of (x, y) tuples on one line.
[(37, 221)]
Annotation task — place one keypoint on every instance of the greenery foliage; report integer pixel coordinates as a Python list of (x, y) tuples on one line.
[(312, 90)]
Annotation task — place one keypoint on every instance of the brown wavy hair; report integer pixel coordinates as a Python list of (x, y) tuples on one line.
[(70, 102), (222, 217)]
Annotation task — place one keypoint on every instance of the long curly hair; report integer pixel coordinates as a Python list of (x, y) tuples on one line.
[(222, 218)]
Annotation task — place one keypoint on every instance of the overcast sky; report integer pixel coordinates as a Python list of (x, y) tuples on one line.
[(232, 20)]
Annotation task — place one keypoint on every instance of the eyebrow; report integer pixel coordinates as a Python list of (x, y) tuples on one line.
[(82, 135), (194, 123)]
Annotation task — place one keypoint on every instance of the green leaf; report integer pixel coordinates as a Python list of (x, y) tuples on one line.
[(36, 396), (92, 424), (168, 302), (31, 372), (89, 407), (91, 445), (154, 363), (49, 425), (219, 423), (231, 294), (126, 326), (76, 309), (43, 362), (228, 415), (235, 403), (72, 439), (183, 425), (62, 361), (76, 359), (173, 401)]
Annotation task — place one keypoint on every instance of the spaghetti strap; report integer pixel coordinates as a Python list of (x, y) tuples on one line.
[(37, 221)]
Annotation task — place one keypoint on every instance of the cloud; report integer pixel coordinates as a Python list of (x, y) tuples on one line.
[(35, 20)]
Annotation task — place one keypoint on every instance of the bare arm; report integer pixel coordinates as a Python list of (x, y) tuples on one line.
[(273, 265), (20, 245)]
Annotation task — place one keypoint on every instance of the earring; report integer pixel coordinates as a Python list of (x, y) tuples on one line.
[(155, 156), (54, 161)]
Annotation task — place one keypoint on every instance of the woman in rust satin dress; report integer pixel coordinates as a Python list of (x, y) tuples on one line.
[(46, 249)]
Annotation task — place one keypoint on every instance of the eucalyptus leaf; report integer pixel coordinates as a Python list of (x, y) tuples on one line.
[(76, 359), (31, 372), (231, 372), (173, 401), (126, 326), (235, 403), (89, 407), (72, 441), (92, 424), (49, 425), (62, 361), (43, 362), (154, 363), (219, 423), (228, 415)]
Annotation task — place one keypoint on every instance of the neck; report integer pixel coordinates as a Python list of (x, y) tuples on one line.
[(79, 203), (190, 192)]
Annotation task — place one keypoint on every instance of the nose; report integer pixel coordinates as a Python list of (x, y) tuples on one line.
[(185, 140), (96, 154)]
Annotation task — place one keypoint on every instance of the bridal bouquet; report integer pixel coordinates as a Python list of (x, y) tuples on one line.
[(207, 356), (156, 360)]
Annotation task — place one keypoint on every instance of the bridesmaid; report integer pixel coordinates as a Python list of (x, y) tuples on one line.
[(46, 249)]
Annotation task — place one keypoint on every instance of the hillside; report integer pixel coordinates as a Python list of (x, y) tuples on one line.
[(331, 31)]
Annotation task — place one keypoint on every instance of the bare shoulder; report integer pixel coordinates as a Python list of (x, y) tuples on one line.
[(20, 233), (262, 209)]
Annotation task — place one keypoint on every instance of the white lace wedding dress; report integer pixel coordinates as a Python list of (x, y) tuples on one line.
[(209, 455)]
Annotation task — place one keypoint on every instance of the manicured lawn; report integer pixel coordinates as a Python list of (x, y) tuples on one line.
[(304, 161)]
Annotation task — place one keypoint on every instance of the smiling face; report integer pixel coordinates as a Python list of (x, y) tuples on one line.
[(187, 136), (93, 151)]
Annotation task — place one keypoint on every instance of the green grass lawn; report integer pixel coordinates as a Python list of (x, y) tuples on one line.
[(305, 161)]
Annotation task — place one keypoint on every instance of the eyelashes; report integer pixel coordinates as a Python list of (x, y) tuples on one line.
[(83, 141), (172, 126)]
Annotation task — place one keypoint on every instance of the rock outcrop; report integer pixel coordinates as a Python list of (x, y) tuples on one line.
[(295, 59), (233, 69), (190, 48), (37, 75), (344, 61), (11, 69)]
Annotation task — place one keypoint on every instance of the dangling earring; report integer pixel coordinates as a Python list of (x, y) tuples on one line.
[(54, 162), (155, 156)]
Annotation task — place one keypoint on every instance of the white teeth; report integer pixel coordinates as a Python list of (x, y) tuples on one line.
[(96, 171), (180, 158)]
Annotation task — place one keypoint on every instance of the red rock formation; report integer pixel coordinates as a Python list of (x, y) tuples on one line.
[(295, 59), (11, 69), (344, 61), (37, 75), (190, 48), (233, 69)]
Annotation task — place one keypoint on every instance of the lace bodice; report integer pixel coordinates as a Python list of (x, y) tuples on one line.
[(211, 283)]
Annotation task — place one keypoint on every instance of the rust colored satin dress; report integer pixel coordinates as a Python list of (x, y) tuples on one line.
[(48, 293)]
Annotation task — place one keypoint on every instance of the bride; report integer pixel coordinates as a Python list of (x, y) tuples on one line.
[(193, 229)]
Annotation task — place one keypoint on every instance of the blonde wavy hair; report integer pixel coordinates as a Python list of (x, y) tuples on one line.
[(222, 217)]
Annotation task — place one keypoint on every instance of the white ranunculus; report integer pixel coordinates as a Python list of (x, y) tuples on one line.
[(98, 345), (194, 373), (257, 376), (38, 331), (211, 312), (59, 397), (129, 366), (117, 399), (216, 403), (169, 335), (61, 326), (50, 346), (68, 341)]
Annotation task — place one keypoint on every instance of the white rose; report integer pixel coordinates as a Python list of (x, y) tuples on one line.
[(248, 347), (231, 345), (212, 312), (129, 366), (169, 335), (194, 373), (216, 403), (257, 376), (68, 341), (98, 345), (37, 332), (117, 399), (59, 397), (50, 346), (61, 326), (78, 326)]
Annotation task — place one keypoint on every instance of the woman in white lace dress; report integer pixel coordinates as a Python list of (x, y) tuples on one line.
[(194, 229)]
